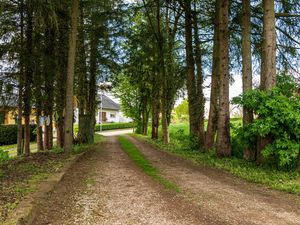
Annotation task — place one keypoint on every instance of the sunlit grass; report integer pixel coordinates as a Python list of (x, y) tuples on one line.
[(136, 156), (183, 146)]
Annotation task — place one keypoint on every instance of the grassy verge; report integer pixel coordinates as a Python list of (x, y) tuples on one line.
[(77, 149), (21, 176), (135, 155), (270, 177)]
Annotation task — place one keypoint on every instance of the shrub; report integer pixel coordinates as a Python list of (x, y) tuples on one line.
[(4, 156), (8, 134), (114, 126), (278, 117)]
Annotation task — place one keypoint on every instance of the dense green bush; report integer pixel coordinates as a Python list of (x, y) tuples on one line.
[(8, 134), (4, 156), (277, 117), (114, 126)]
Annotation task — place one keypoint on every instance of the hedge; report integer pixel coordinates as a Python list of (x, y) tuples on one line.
[(8, 134), (114, 126)]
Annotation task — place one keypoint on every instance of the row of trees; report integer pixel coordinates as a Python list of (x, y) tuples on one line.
[(51, 53), (177, 43), (154, 49)]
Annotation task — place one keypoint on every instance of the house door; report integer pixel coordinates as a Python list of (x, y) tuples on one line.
[(103, 117)]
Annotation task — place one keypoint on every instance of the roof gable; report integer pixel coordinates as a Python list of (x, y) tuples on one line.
[(108, 103)]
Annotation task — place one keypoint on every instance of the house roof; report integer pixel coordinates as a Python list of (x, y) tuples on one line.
[(108, 103), (8, 102)]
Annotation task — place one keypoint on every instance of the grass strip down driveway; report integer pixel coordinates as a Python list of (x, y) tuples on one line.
[(140, 160)]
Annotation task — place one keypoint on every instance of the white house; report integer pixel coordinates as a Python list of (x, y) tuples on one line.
[(108, 111)]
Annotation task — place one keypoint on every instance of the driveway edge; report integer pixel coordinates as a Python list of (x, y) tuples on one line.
[(27, 209)]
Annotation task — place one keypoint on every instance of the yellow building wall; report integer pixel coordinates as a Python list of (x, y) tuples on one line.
[(10, 117)]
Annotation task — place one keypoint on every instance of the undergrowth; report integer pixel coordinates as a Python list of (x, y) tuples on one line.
[(266, 175)]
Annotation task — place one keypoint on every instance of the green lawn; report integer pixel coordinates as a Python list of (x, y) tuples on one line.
[(12, 149), (184, 147), (6, 147)]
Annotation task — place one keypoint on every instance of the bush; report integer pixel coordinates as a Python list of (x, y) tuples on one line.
[(4, 156), (278, 118), (114, 126), (8, 134)]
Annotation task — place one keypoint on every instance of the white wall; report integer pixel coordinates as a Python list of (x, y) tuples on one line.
[(119, 117), (109, 116)]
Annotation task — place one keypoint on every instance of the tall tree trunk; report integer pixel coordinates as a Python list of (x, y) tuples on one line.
[(49, 73), (92, 84), (155, 111), (60, 93), (191, 81), (199, 84), (20, 86), (214, 92), (215, 89), (223, 136), (20, 115), (38, 81), (28, 76), (268, 66), (145, 118), (163, 74), (82, 82), (247, 66), (164, 121), (68, 121)]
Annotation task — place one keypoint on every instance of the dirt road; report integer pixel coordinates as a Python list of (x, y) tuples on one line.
[(229, 198), (106, 187)]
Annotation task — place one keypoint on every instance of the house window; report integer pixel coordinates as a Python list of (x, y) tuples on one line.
[(112, 115)]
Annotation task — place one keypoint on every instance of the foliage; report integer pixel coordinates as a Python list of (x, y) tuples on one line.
[(4, 156), (278, 117), (114, 126), (110, 126), (8, 134), (279, 180), (128, 93), (181, 112), (144, 163)]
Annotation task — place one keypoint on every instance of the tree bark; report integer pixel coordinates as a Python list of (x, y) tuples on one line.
[(92, 83), (60, 92), (162, 73), (83, 135), (155, 112), (38, 82), (214, 92), (68, 121), (28, 76), (49, 73), (268, 66), (247, 66), (191, 81), (199, 84), (223, 146), (20, 86)]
